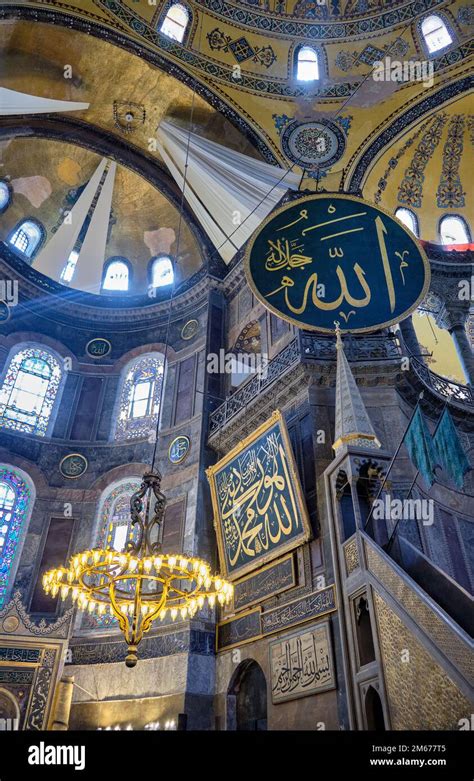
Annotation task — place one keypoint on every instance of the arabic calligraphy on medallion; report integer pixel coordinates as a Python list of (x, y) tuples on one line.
[(258, 504), (335, 257), (301, 664)]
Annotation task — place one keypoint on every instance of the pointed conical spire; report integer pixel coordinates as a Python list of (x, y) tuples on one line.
[(353, 426)]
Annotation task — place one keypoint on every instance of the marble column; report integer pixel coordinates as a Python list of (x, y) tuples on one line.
[(62, 705), (454, 320)]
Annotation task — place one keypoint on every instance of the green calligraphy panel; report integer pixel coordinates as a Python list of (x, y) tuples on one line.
[(259, 509)]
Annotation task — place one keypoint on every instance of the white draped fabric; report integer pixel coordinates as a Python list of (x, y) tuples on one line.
[(52, 258), (229, 192), (90, 263), (13, 102)]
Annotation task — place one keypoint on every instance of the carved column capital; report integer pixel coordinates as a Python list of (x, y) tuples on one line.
[(453, 315)]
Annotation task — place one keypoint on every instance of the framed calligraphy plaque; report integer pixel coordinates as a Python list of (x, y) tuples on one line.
[(259, 509), (302, 664), (297, 611), (268, 581), (327, 258), (244, 628)]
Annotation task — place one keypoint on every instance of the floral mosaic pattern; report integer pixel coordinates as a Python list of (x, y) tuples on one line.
[(15, 497), (17, 410), (393, 162), (450, 194), (410, 191)]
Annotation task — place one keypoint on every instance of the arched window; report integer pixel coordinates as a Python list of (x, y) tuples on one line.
[(113, 530), (29, 390), (435, 33), (116, 275), (307, 66), (5, 196), (453, 230), (162, 272), (409, 219), (139, 404), (27, 237), (68, 271), (15, 508), (175, 22)]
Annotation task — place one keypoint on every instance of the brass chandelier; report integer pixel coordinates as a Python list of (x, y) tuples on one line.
[(141, 584)]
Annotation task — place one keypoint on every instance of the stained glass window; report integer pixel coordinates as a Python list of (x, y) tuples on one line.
[(15, 497), (140, 397), (114, 530), (175, 22), (29, 391), (26, 238)]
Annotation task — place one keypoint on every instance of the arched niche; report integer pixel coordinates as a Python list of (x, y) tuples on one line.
[(373, 710), (247, 698)]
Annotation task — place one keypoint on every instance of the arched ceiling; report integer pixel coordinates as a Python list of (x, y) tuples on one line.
[(45, 176), (232, 81), (55, 62), (429, 169)]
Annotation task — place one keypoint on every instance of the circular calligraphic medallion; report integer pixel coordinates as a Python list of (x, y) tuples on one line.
[(10, 624), (73, 466), (98, 348), (336, 258), (189, 329), (313, 145), (179, 449)]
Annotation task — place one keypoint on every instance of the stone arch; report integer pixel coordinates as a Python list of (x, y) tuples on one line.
[(247, 698), (9, 710), (374, 710)]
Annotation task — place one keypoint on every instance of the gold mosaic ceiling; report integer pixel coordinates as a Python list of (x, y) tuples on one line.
[(45, 174), (120, 61)]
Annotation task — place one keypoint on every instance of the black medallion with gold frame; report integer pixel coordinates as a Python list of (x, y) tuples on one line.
[(332, 257)]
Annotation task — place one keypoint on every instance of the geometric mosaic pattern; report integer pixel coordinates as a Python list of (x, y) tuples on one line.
[(346, 60), (240, 48)]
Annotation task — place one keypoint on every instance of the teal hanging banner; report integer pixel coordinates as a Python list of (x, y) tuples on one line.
[(421, 448), (335, 257), (449, 447)]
